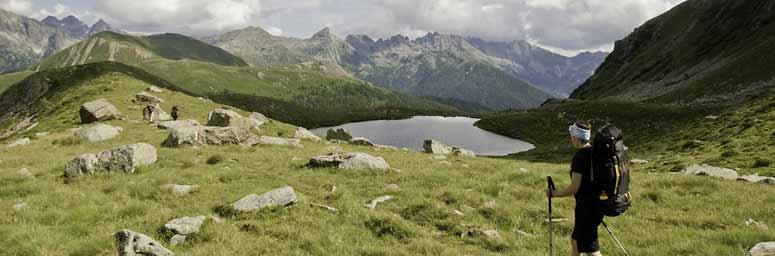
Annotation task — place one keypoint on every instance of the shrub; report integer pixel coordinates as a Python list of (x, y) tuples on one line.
[(760, 162), (384, 226), (215, 159)]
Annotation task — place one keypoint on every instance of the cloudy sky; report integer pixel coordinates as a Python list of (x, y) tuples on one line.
[(566, 26)]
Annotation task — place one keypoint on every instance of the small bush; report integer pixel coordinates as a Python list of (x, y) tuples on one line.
[(216, 159), (383, 226), (225, 211), (760, 162)]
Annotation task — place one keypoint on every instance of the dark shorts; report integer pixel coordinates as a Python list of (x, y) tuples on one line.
[(588, 218)]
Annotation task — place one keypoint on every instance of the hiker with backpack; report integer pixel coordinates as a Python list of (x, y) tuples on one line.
[(599, 183)]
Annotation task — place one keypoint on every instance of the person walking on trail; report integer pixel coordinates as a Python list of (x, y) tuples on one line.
[(175, 113), (587, 213), (147, 112)]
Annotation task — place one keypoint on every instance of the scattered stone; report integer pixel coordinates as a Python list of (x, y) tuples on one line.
[(20, 206), (121, 159), (329, 208), (259, 117), (639, 161), (480, 232), (99, 132), (130, 243), (378, 200), (463, 152), (146, 97), (707, 170), (304, 134), (333, 189), (279, 197), (158, 114), (556, 220), (169, 125), (763, 249), (385, 147), (436, 147), (296, 159), (185, 225), (25, 173), (392, 187), (177, 239), (457, 213), (20, 142), (755, 178), (523, 170), (276, 141), (361, 141), (179, 190), (41, 134), (229, 118), (355, 161), (760, 225), (191, 136), (342, 134), (98, 111), (154, 89), (335, 149)]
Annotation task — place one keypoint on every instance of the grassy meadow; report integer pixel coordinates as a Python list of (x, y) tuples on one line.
[(673, 214)]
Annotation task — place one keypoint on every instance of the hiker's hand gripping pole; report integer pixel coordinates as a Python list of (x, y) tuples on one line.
[(550, 189)]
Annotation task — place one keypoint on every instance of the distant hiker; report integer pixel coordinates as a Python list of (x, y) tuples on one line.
[(174, 113), (147, 111), (588, 215)]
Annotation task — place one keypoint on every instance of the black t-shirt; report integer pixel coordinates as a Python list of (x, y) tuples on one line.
[(582, 164)]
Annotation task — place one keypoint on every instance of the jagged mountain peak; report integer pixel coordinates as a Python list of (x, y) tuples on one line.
[(70, 19), (323, 33)]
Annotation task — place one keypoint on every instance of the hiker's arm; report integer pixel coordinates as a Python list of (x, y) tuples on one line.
[(574, 186)]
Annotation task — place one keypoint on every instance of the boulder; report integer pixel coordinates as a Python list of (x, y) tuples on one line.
[(229, 118), (304, 134), (259, 117), (276, 141), (185, 226), (378, 200), (177, 239), (639, 161), (147, 97), (130, 243), (436, 147), (121, 159), (361, 141), (19, 142), (158, 114), (99, 132), (342, 134), (154, 89), (707, 170), (463, 152), (763, 249), (355, 161), (168, 125), (179, 190), (279, 197), (190, 136), (98, 111), (755, 178)]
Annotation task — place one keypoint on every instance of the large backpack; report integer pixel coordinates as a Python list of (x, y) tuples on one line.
[(609, 172)]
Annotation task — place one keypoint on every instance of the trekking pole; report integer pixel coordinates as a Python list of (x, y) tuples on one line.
[(551, 188), (615, 239)]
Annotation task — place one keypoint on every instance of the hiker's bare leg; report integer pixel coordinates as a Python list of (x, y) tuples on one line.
[(594, 254), (574, 251)]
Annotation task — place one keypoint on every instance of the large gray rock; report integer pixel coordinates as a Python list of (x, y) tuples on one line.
[(755, 178), (185, 225), (179, 190), (279, 197), (259, 117), (355, 161), (147, 97), (463, 152), (304, 134), (229, 118), (763, 249), (168, 125), (361, 141), (189, 136), (130, 243), (98, 111), (121, 159), (154, 89), (158, 114), (339, 134), (707, 170), (99, 132), (436, 147), (19, 142), (373, 204), (276, 141)]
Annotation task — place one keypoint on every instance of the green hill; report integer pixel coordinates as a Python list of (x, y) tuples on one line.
[(79, 216)]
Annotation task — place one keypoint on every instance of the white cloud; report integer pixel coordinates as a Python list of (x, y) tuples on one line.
[(17, 6)]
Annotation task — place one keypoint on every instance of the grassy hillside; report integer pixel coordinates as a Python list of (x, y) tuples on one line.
[(672, 215), (6, 80)]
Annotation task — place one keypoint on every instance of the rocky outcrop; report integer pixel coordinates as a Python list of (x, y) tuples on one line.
[(190, 136), (354, 161), (130, 243), (158, 114), (98, 111), (707, 170), (279, 197), (436, 147), (229, 118), (121, 159), (304, 134), (276, 141), (755, 178), (169, 125), (99, 132), (183, 227), (361, 141), (147, 97), (342, 134)]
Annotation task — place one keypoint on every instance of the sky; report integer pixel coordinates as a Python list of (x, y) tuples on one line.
[(564, 26)]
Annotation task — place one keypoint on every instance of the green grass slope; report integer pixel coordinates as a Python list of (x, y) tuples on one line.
[(673, 214)]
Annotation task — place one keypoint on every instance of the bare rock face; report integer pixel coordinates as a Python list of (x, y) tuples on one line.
[(147, 97), (229, 118), (361, 141), (339, 134), (707, 170), (763, 249), (130, 243), (98, 111), (304, 134), (189, 136), (121, 159), (276, 141), (354, 161), (97, 133), (279, 197)]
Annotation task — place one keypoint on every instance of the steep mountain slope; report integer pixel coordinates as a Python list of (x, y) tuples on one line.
[(700, 51), (70, 25), (549, 71), (25, 41), (110, 46)]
